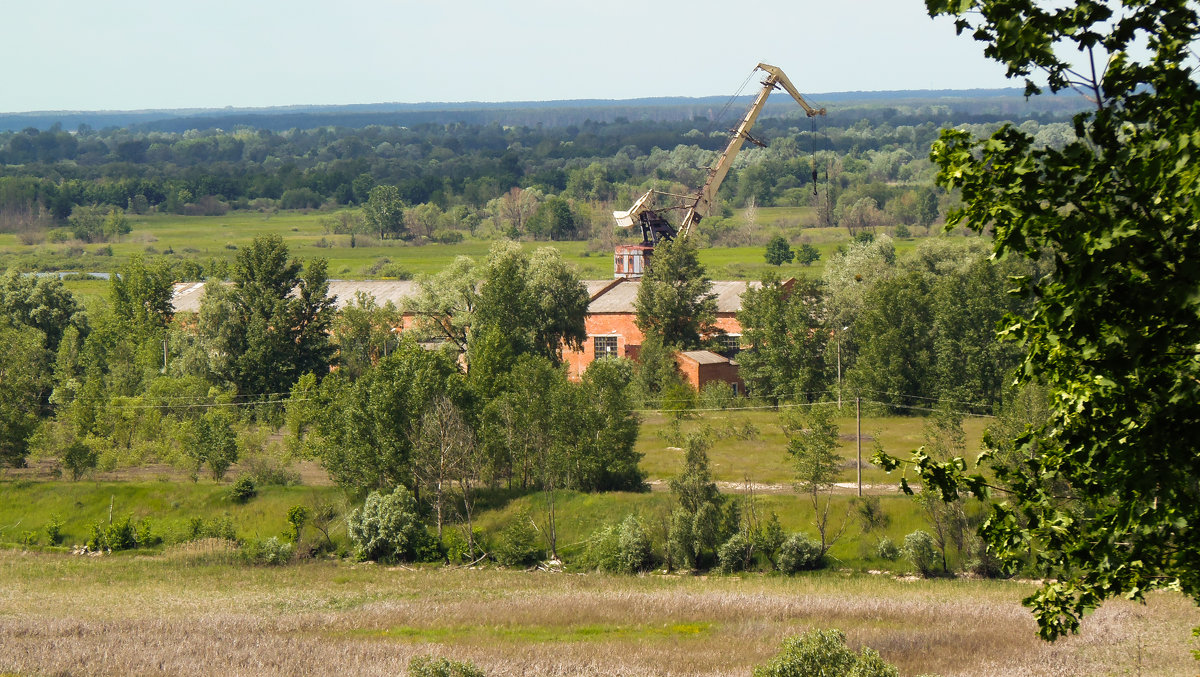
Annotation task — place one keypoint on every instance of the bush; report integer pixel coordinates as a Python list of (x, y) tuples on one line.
[(447, 236), (428, 666), (271, 551), (800, 553), (458, 549), (887, 550), (518, 543), (824, 652), (243, 489), (388, 529), (54, 530), (920, 551), (735, 554), (603, 549), (217, 527), (633, 547)]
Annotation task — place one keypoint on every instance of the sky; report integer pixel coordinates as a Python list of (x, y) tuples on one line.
[(155, 54)]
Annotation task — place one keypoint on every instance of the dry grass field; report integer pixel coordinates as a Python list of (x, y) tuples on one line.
[(182, 613)]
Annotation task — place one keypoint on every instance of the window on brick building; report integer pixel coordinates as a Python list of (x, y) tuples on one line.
[(605, 346), (729, 344)]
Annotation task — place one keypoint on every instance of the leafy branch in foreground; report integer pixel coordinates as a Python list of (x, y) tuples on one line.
[(1107, 501)]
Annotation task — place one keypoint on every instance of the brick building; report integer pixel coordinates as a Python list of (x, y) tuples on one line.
[(610, 322)]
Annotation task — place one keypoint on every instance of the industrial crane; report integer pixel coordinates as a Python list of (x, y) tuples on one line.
[(633, 260)]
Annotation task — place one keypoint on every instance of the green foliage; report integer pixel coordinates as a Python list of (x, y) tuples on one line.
[(79, 458), (693, 486), (271, 551), (735, 554), (553, 220), (800, 553), (213, 527), (633, 546), (518, 543), (779, 251), (920, 551), (383, 212), (784, 331), (824, 652), (1113, 326), (243, 489), (212, 441), (807, 255), (260, 336), (428, 666), (297, 517), (674, 301), (887, 550), (387, 527), (54, 533), (623, 549), (363, 431), (141, 297), (120, 534)]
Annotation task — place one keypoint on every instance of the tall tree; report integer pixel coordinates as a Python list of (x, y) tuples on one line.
[(784, 333), (1114, 328), (674, 300), (384, 212), (261, 335), (141, 296), (24, 378)]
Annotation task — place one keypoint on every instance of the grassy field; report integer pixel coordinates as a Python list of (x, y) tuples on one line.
[(178, 612), (217, 238)]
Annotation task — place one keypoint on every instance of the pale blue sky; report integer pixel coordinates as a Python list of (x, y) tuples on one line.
[(137, 54)]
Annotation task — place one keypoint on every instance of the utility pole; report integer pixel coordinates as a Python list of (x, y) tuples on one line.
[(858, 425)]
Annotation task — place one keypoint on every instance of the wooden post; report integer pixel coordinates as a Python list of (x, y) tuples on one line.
[(858, 425)]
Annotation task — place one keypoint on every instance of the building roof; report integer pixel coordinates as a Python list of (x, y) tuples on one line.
[(188, 294), (620, 298), (703, 357), (607, 296)]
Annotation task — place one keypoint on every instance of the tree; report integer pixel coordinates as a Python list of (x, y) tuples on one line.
[(141, 296), (384, 212), (115, 225), (779, 251), (530, 304), (363, 431), (443, 447), (212, 440), (674, 300), (42, 303), (261, 336), (24, 379), (364, 333), (1113, 328), (784, 335), (553, 220), (812, 444), (807, 255)]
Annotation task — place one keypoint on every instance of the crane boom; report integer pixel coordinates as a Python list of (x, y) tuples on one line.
[(716, 174), (654, 226)]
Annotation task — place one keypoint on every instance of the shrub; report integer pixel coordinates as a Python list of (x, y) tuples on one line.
[(243, 489), (428, 666), (79, 458), (447, 236), (887, 550), (271, 551), (800, 553), (297, 516), (603, 549), (518, 543), (920, 551), (824, 652), (54, 530), (458, 549), (217, 527), (735, 554), (633, 547), (388, 529)]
